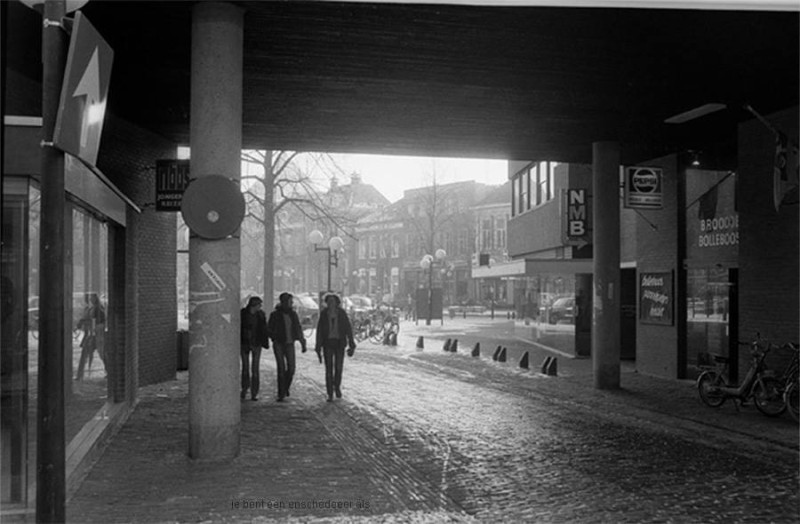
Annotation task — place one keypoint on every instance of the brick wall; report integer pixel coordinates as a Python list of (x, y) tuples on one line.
[(127, 157), (657, 250), (769, 274)]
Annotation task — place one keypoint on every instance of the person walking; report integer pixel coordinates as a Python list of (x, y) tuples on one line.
[(254, 336), (333, 333), (284, 328)]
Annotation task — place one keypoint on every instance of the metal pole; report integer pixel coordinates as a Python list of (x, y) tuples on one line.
[(50, 446), (330, 264), (430, 294)]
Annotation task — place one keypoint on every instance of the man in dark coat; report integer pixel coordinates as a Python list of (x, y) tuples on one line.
[(333, 333), (254, 336), (284, 328)]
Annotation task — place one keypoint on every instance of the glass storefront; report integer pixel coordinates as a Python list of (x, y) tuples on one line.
[(19, 341), (554, 308), (708, 315), (87, 334), (89, 308)]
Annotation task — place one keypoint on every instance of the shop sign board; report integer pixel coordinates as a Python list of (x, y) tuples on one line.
[(576, 218), (81, 109), (656, 298), (172, 177), (643, 188)]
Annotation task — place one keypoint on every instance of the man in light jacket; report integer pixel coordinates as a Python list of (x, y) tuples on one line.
[(333, 333), (284, 328)]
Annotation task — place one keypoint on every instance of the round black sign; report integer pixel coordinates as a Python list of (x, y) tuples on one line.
[(213, 207)]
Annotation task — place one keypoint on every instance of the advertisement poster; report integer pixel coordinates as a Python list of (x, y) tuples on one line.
[(656, 298)]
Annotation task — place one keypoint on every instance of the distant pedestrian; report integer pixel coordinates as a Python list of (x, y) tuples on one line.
[(333, 333), (254, 336), (284, 328)]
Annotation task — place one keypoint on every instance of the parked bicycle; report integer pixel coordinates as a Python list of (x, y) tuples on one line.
[(759, 384), (791, 382)]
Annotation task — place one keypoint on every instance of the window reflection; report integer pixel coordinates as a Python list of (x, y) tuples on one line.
[(89, 308)]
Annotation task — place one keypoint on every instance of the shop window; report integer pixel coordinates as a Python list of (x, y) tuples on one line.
[(708, 314), (88, 344), (18, 348)]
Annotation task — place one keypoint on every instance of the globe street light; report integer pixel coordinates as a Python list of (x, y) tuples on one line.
[(426, 263), (335, 244)]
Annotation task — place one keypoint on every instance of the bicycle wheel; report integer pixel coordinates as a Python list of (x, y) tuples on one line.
[(376, 337), (708, 384), (790, 398), (768, 396)]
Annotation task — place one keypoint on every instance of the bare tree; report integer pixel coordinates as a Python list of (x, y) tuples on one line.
[(288, 178)]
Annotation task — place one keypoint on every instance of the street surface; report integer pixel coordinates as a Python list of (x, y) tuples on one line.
[(431, 436)]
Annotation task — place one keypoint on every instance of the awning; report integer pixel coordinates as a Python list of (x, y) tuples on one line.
[(534, 266)]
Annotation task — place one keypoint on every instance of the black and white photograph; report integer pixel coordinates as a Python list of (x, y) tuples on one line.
[(386, 261)]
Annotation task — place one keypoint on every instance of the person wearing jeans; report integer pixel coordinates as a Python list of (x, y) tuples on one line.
[(254, 336), (334, 332), (284, 328)]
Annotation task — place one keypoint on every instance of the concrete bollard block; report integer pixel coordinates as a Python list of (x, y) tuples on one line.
[(447, 345), (420, 343), (496, 354), (552, 369), (502, 357), (454, 346), (545, 365), (476, 351), (523, 362)]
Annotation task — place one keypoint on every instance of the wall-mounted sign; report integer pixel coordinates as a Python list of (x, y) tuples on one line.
[(172, 177), (576, 218), (213, 207), (82, 108), (656, 298), (643, 188), (712, 221)]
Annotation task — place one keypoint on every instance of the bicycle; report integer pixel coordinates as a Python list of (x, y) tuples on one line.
[(759, 384), (791, 384)]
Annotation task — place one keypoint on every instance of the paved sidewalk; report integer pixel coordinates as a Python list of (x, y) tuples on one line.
[(308, 460), (666, 401)]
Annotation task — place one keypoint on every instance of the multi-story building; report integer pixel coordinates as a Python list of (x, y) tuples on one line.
[(491, 246), (712, 264), (297, 266)]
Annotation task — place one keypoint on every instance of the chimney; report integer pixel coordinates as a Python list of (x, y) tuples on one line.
[(355, 178)]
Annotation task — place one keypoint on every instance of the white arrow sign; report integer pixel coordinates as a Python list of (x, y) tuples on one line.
[(89, 86)]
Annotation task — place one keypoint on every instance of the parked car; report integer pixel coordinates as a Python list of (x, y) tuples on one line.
[(307, 309), (562, 309), (357, 306)]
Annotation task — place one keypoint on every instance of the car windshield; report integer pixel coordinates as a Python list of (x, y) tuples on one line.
[(562, 302), (306, 302), (361, 301)]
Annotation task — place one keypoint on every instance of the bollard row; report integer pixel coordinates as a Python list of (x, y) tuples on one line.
[(549, 366)]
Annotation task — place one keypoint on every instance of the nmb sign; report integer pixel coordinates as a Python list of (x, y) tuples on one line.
[(576, 217)]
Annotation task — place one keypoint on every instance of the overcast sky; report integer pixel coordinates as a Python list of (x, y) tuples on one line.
[(393, 174)]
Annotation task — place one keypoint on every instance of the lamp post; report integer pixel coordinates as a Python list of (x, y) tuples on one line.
[(335, 244), (427, 263)]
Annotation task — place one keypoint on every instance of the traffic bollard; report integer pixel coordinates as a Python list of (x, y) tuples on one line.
[(476, 351)]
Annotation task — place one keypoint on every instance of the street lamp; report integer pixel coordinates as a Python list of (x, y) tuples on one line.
[(427, 263), (335, 244)]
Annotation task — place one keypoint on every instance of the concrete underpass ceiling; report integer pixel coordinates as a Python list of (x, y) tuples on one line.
[(457, 80)]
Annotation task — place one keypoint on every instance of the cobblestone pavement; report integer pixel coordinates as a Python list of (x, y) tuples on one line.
[(427, 436)]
